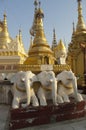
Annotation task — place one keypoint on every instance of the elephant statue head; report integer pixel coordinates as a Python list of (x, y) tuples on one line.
[(48, 82), (68, 85), (22, 86)]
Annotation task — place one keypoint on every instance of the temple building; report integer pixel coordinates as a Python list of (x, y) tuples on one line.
[(11, 50), (77, 48)]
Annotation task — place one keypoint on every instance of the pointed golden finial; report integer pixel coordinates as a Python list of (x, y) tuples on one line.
[(5, 19), (81, 24), (6, 34), (54, 43), (39, 4), (36, 4), (20, 36), (33, 28), (39, 26)]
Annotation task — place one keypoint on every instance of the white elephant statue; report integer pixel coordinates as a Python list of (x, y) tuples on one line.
[(48, 87), (22, 88), (67, 85)]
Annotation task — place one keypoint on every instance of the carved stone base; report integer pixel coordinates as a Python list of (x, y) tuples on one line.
[(32, 116)]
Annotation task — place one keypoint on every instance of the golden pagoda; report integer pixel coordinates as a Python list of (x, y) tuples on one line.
[(40, 55), (76, 52), (39, 51), (11, 50)]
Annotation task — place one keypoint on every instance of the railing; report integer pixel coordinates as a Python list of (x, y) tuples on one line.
[(33, 68)]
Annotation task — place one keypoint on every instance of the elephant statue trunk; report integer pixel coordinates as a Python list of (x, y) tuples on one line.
[(54, 91)]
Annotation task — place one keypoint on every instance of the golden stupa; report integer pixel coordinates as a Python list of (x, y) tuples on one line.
[(39, 52), (77, 48), (41, 55)]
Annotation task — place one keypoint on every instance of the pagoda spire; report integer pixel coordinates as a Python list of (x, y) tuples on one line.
[(33, 28), (20, 36), (39, 52), (54, 43), (40, 35), (36, 4), (5, 25), (5, 29), (81, 24), (5, 20)]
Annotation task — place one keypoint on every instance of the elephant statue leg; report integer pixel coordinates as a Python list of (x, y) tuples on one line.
[(79, 97), (15, 103), (65, 98), (62, 91), (59, 99), (41, 96), (34, 99)]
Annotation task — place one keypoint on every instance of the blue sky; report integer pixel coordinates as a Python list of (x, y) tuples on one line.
[(59, 14)]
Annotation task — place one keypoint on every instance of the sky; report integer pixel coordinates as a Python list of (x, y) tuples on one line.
[(58, 14)]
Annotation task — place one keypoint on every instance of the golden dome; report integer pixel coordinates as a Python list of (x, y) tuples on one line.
[(60, 46)]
